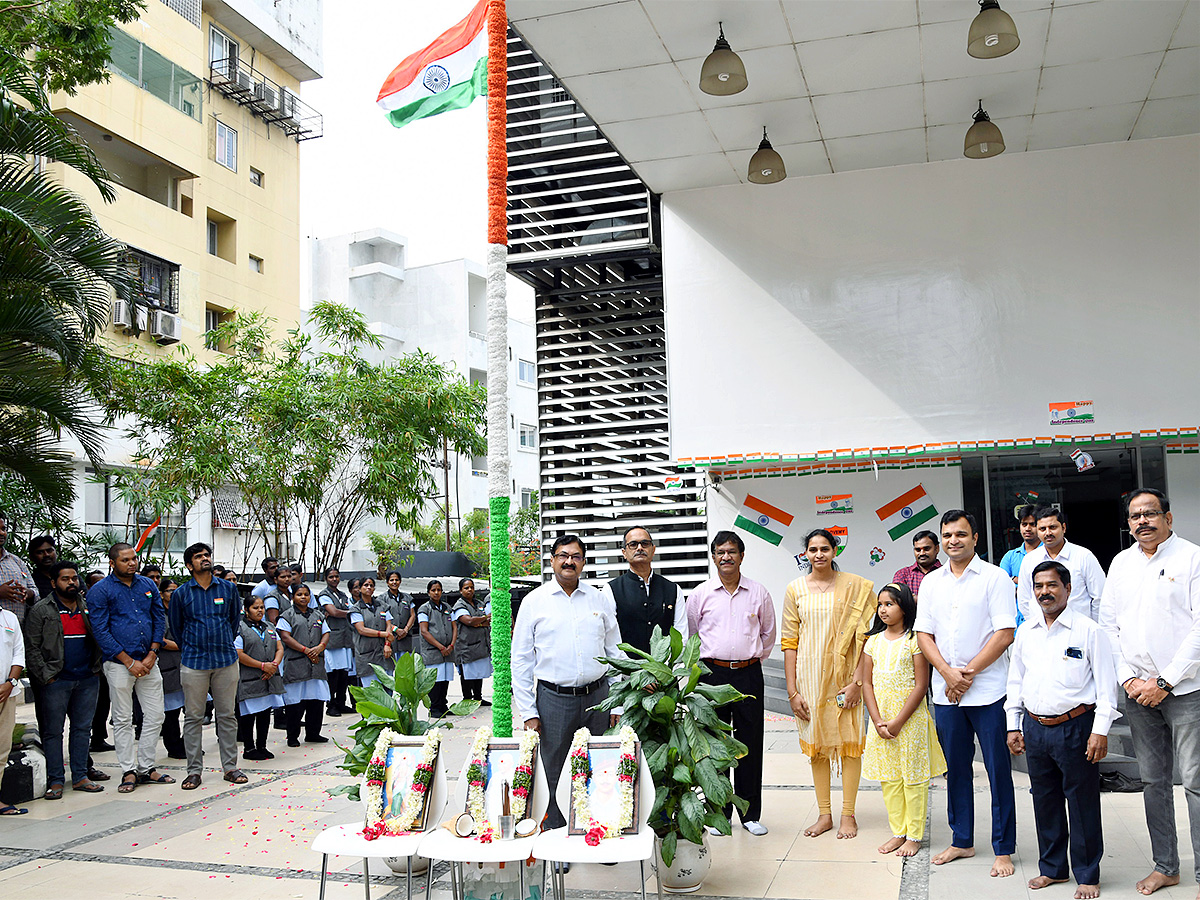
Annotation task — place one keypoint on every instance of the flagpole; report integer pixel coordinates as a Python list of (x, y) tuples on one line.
[(497, 372)]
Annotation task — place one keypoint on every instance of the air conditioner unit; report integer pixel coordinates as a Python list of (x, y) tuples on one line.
[(287, 104), (121, 317), (142, 317), (165, 327), (243, 81), (264, 96)]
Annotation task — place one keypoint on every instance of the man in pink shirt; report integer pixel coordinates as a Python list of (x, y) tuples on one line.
[(735, 618)]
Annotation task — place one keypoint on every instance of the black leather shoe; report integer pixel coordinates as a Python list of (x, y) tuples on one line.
[(101, 746)]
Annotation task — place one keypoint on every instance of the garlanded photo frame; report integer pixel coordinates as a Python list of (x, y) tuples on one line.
[(607, 793), (400, 770), (503, 758)]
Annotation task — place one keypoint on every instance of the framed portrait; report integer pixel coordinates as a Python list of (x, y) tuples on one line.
[(604, 788), (503, 758), (399, 767)]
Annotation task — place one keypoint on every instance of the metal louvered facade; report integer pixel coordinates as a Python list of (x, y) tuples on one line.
[(583, 232)]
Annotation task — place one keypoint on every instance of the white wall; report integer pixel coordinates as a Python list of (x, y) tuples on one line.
[(775, 567), (1183, 490), (945, 301)]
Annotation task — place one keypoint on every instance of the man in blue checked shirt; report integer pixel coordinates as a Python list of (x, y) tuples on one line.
[(128, 622), (205, 613)]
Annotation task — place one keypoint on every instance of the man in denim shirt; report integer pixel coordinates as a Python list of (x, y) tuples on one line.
[(128, 621), (205, 615)]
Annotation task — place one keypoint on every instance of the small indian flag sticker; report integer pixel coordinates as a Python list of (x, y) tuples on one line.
[(763, 520), (906, 513)]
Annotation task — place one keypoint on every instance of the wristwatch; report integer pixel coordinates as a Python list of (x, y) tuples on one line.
[(1164, 684), (15, 682)]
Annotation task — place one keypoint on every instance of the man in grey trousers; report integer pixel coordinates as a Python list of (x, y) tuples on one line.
[(205, 617)]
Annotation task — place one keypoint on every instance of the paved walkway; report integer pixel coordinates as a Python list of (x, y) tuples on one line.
[(253, 840)]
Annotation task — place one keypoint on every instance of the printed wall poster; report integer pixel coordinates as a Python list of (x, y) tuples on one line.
[(832, 504), (1072, 412)]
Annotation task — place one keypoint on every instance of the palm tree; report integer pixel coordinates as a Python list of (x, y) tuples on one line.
[(58, 273)]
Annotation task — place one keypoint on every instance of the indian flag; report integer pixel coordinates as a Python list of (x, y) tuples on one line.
[(763, 520), (906, 513), (448, 74)]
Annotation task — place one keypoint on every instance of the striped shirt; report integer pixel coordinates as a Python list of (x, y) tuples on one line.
[(13, 568), (912, 576), (206, 621)]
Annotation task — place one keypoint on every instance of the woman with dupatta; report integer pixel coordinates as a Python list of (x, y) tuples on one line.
[(826, 615)]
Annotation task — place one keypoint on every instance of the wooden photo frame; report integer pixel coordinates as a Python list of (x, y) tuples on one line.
[(400, 764), (503, 757), (603, 786)]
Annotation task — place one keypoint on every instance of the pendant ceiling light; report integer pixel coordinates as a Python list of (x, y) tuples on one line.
[(766, 166), (722, 72), (983, 138), (992, 32)]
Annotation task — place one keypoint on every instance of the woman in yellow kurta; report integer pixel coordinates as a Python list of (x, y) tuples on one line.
[(825, 616)]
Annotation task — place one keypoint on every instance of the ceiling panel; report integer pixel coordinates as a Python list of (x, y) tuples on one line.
[(867, 83)]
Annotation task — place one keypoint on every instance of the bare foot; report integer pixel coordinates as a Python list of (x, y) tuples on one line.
[(909, 848), (1003, 866), (891, 844), (1154, 881), (1087, 892), (822, 825), (848, 829), (952, 853), (1044, 881)]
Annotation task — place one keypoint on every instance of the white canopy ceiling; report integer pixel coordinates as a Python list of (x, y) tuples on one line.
[(859, 84)]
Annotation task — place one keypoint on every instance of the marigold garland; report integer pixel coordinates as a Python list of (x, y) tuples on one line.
[(581, 774), (378, 824)]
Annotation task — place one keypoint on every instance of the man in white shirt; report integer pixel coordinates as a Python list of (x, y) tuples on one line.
[(1087, 578), (1151, 612), (561, 629), (12, 663), (965, 622), (1062, 688)]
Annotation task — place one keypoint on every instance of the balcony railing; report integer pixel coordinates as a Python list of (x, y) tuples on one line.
[(271, 102)]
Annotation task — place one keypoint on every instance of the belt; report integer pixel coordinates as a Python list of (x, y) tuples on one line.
[(1065, 717), (569, 690), (733, 663)]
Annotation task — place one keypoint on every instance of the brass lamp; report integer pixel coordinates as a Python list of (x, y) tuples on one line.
[(723, 72), (983, 139), (766, 165), (992, 32)]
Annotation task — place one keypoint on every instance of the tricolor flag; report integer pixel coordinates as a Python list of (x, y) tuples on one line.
[(763, 520), (448, 74), (906, 513), (147, 534), (673, 483)]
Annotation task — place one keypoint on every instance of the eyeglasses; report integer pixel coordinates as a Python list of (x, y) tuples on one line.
[(1148, 514), (633, 545), (569, 557)]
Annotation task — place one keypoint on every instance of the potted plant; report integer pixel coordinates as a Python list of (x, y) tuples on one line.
[(688, 748), (392, 701)]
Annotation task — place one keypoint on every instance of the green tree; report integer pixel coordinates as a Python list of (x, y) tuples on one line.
[(58, 270), (67, 42), (314, 438)]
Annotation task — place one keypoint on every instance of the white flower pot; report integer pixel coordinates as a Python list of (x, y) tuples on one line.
[(687, 872), (399, 864)]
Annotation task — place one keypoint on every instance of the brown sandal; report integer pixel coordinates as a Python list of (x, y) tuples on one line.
[(236, 776), (129, 783), (191, 783)]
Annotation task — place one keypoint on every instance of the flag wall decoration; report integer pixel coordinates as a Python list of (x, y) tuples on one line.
[(906, 513), (763, 520)]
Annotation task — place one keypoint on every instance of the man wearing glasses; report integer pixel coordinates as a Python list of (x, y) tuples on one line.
[(563, 626), (645, 599), (1151, 611)]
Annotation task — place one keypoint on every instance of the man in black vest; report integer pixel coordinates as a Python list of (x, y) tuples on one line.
[(643, 598)]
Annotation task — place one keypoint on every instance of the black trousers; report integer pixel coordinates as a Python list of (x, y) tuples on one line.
[(339, 680), (747, 718), (100, 719), (260, 722), (1066, 798), (437, 698), (312, 712), (472, 688), (171, 735)]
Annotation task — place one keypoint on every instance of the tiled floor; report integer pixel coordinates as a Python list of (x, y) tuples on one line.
[(253, 840)]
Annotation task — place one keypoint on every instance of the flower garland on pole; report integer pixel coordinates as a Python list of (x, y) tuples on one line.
[(581, 774), (519, 789), (378, 823)]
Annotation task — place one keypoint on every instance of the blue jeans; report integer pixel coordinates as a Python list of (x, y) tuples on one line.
[(1163, 735), (62, 699)]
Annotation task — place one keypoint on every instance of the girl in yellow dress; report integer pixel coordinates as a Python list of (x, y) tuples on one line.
[(902, 750)]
